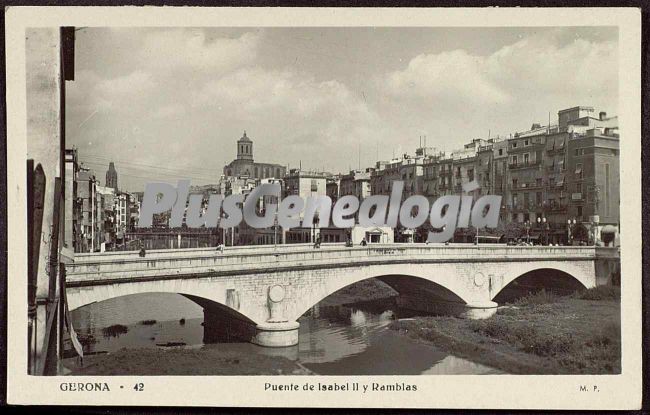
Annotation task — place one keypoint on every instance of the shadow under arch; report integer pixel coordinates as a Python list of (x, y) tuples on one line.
[(220, 322), (223, 324), (413, 292), (548, 279)]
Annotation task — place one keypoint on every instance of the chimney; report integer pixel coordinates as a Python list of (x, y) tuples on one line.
[(602, 115)]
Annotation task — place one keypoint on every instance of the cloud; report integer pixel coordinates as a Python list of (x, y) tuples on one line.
[(191, 49), (537, 65), (295, 110), (447, 76)]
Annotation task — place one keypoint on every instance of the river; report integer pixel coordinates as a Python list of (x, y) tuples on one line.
[(333, 340)]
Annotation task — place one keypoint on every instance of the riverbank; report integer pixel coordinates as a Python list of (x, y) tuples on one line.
[(538, 334), (183, 361)]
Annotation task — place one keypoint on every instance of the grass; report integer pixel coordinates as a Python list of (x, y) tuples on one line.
[(542, 333), (602, 292), (205, 361), (148, 322), (539, 297)]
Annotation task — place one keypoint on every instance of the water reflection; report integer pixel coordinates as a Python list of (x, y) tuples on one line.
[(333, 340)]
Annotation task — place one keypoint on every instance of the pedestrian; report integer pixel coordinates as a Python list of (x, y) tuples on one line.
[(317, 243), (363, 242), (142, 252)]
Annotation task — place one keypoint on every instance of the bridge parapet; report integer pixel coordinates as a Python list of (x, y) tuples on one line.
[(190, 263)]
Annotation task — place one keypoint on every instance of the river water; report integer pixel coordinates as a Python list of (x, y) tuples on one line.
[(333, 340)]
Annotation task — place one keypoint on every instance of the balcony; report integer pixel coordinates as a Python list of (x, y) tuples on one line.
[(526, 186), (524, 165), (555, 150)]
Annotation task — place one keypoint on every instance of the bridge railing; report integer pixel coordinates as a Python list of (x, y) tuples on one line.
[(192, 262)]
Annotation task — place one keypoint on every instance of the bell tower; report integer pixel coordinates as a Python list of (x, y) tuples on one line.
[(245, 148)]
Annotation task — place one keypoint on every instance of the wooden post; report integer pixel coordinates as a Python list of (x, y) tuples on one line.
[(35, 207), (47, 363)]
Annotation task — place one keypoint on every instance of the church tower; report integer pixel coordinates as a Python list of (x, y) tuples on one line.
[(111, 176), (245, 148)]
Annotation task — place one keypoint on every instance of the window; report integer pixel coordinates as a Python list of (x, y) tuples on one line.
[(514, 145), (538, 198), (526, 200), (514, 200), (607, 189), (526, 158), (470, 174), (538, 182), (501, 152), (551, 181), (578, 187), (314, 186), (579, 211), (514, 160), (514, 183), (579, 171), (526, 142)]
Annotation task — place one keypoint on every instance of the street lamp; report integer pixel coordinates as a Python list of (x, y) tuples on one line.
[(541, 222), (527, 227), (570, 224), (275, 231)]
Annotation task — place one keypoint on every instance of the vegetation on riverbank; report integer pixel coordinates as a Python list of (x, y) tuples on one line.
[(183, 361), (542, 333), (115, 330), (365, 290)]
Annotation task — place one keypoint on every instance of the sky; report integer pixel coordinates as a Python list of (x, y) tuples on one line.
[(170, 103)]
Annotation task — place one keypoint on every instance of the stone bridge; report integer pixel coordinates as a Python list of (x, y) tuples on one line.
[(259, 292)]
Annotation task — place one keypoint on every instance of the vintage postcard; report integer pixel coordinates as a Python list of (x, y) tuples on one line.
[(418, 208)]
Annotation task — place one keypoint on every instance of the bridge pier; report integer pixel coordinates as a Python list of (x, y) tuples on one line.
[(281, 334), (480, 310)]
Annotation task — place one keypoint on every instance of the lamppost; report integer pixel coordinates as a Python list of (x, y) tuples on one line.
[(275, 230), (315, 222), (527, 227), (570, 225), (541, 222)]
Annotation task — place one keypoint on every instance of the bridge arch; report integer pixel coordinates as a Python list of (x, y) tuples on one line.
[(552, 276), (443, 282), (195, 290)]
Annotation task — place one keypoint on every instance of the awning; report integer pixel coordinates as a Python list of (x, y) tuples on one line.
[(609, 229)]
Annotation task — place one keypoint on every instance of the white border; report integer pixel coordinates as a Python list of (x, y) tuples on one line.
[(496, 391)]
